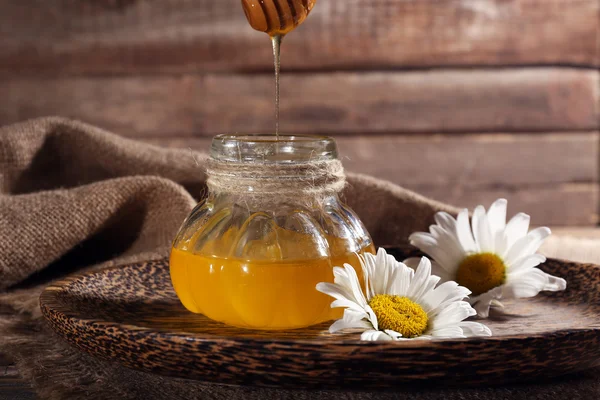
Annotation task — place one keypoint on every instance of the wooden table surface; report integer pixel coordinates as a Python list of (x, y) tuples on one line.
[(13, 387)]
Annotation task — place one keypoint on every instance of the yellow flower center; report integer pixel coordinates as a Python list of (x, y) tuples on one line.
[(481, 272), (399, 314)]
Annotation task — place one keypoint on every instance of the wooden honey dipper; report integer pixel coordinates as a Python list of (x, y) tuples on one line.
[(277, 17)]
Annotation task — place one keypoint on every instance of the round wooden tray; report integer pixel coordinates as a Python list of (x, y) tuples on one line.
[(131, 315)]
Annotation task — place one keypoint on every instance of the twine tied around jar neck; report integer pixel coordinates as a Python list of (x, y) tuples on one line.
[(291, 180)]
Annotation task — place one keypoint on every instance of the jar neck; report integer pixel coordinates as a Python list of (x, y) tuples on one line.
[(273, 205), (276, 181), (273, 150)]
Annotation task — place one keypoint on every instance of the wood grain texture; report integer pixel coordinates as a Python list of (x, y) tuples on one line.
[(530, 99), (5, 361), (577, 232), (471, 160), (12, 386), (553, 177), (97, 37), (131, 315), (8, 371), (568, 204)]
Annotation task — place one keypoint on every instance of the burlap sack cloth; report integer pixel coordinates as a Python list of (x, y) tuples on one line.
[(75, 197)]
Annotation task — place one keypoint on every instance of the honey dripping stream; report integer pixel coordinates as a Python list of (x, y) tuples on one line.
[(277, 18), (276, 39)]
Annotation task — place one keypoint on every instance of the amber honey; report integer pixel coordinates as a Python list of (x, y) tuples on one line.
[(259, 293)]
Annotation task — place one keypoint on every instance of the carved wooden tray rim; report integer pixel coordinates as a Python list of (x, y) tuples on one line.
[(78, 330), (198, 336)]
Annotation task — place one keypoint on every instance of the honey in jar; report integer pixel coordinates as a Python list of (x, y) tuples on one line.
[(271, 228)]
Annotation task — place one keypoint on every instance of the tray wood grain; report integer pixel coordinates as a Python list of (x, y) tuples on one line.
[(131, 315)]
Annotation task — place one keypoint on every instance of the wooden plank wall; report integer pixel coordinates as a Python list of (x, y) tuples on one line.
[(462, 100)]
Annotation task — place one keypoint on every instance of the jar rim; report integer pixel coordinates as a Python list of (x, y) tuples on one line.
[(261, 148)]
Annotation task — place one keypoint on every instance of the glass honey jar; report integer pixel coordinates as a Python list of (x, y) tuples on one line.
[(270, 229)]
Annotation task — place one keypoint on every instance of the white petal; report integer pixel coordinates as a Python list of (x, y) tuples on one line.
[(346, 304), (446, 221), (372, 317), (431, 283), (482, 307), (464, 234), (433, 299), (401, 284), (351, 319), (516, 228), (482, 303), (448, 292), (422, 337), (448, 332), (353, 315), (427, 288), (452, 314), (341, 324), (346, 289), (357, 292), (341, 294), (446, 251), (530, 283), (496, 304), (393, 334), (393, 268), (525, 286), (448, 244), (375, 336), (437, 270), (481, 230), (419, 281), (381, 273), (425, 242), (400, 272), (474, 329), (341, 278), (380, 277), (334, 290), (497, 216), (527, 245), (368, 265), (555, 284), (525, 263), (497, 221)]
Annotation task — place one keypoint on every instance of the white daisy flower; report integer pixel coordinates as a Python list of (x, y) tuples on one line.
[(492, 258), (400, 303)]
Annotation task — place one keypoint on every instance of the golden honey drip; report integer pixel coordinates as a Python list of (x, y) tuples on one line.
[(277, 17)]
